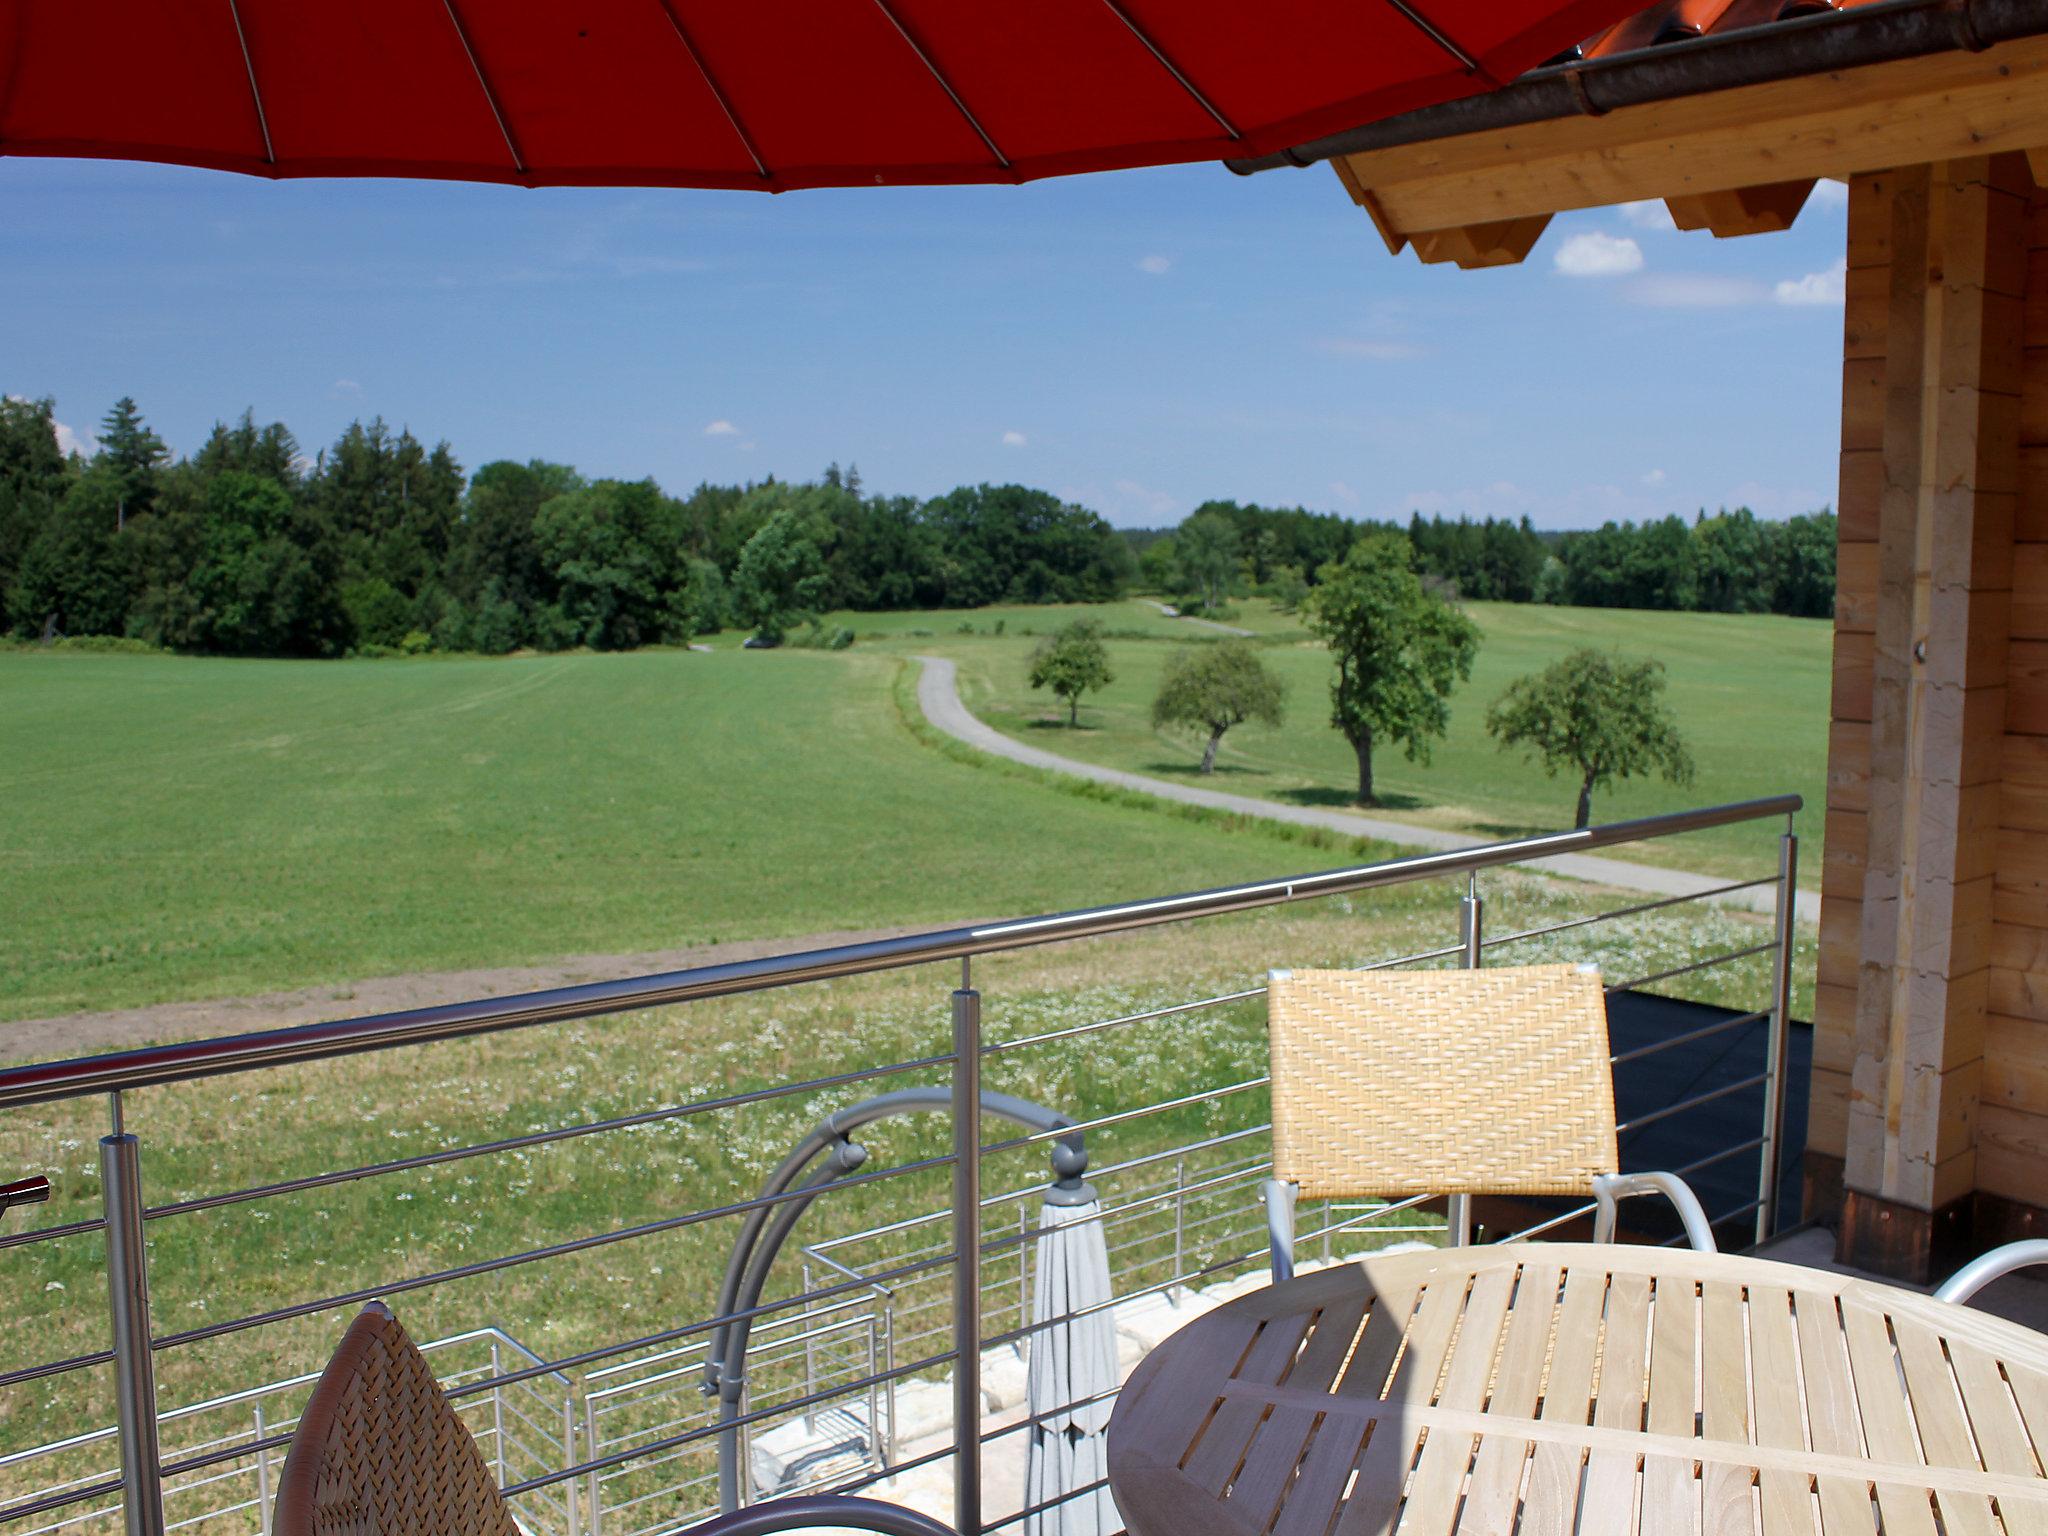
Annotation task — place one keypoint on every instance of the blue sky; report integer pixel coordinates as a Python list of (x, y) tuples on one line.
[(1137, 342)]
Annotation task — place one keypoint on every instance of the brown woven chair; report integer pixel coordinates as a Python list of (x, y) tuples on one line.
[(380, 1451), (1389, 1084)]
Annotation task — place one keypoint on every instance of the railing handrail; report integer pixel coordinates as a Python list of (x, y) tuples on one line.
[(46, 1082)]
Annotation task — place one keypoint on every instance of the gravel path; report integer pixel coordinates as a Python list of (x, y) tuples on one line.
[(938, 696)]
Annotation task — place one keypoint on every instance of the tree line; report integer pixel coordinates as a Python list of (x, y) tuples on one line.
[(1726, 562), (378, 542)]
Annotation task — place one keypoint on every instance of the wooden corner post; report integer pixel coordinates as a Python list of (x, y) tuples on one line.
[(1930, 479)]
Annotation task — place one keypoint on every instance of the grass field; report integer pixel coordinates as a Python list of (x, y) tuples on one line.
[(1750, 692), (181, 828)]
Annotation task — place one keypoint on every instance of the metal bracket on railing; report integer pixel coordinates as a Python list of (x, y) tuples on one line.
[(31, 1191)]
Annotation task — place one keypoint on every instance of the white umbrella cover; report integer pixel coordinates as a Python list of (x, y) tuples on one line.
[(1072, 1361)]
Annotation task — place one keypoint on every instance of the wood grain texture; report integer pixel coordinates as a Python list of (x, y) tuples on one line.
[(1549, 1388)]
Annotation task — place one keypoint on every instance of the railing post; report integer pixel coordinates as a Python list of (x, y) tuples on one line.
[(498, 1413), (1180, 1230), (262, 1475), (142, 1494), (1770, 1156), (1023, 1265), (1472, 937), (966, 1258), (568, 1461)]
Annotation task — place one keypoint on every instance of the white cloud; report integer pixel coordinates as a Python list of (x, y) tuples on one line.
[(1155, 265), (344, 387), (1014, 439), (1829, 194), (1824, 287), (1344, 493), (1651, 214), (721, 428), (1376, 351), (1593, 253), (1654, 477), (1693, 290)]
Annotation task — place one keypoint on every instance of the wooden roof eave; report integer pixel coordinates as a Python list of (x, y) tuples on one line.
[(1737, 161)]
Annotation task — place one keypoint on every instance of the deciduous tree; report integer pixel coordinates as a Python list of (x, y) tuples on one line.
[(1594, 714), (780, 579), (1399, 651), (1212, 687), (1071, 663), (1206, 547)]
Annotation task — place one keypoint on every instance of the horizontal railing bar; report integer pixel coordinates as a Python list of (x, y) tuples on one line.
[(1692, 1103), (1637, 909), (1019, 1238), (1031, 1510), (1718, 1157), (1713, 1221), (51, 1234), (49, 1502), (1697, 965), (43, 1082), (539, 1138), (1163, 1106), (1003, 1046), (705, 1325), (231, 1453), (1555, 1221), (55, 1368), (1688, 1037), (1014, 1334), (1024, 1192), (893, 1469), (535, 1255), (671, 1442)]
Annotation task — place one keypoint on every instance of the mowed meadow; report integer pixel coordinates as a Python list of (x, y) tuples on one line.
[(1750, 693), (188, 828)]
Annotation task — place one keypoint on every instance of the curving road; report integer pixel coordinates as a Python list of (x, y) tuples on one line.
[(938, 696)]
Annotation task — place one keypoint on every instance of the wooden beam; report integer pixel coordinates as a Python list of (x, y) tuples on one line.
[(1744, 210), (1943, 562), (1840, 124), (1482, 245)]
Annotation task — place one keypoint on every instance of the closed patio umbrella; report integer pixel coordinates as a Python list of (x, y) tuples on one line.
[(768, 95), (1073, 1361)]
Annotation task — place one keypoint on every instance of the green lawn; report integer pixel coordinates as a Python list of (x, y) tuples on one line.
[(180, 828), (1751, 694)]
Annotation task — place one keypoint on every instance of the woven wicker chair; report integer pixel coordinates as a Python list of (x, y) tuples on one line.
[(379, 1450), (1388, 1084)]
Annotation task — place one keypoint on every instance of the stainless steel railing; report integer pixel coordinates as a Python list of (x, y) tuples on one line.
[(136, 1339)]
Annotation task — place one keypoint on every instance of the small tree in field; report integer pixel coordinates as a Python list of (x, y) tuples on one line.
[(1072, 662), (1213, 687), (1596, 715), (1400, 649)]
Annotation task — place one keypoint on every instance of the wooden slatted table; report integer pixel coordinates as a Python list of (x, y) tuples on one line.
[(1552, 1388)]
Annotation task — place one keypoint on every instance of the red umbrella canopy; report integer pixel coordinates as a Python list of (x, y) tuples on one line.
[(762, 94)]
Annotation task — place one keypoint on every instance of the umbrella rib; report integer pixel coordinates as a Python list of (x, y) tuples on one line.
[(255, 92), (490, 96), (1172, 68), (711, 84), (944, 84), (1441, 38)]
